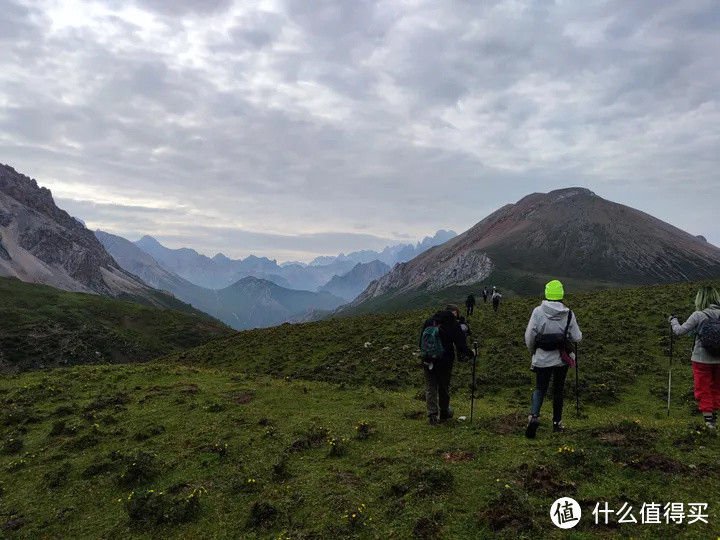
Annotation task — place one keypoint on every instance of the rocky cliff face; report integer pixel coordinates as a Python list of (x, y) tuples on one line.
[(41, 243), (349, 285)]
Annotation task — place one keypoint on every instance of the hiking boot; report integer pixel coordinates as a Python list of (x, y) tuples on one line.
[(432, 420), (533, 424), (558, 426), (447, 415)]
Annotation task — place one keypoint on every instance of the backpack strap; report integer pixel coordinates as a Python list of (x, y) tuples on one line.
[(567, 326)]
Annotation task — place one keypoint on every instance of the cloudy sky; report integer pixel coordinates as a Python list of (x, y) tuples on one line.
[(293, 128)]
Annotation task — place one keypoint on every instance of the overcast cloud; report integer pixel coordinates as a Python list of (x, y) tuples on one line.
[(293, 128)]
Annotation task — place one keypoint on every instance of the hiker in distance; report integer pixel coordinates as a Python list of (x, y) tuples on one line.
[(485, 294), (705, 323), (470, 304), (552, 326), (496, 297), (440, 337)]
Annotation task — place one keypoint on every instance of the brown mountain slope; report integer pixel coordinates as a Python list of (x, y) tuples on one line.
[(569, 233)]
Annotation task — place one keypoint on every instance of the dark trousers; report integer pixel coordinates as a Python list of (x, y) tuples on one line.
[(470, 309), (484, 298), (496, 304), (437, 389), (542, 382)]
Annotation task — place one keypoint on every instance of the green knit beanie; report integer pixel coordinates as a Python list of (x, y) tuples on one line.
[(554, 290)]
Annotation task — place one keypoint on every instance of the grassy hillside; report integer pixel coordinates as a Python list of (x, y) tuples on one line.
[(303, 432), (509, 282), (42, 326)]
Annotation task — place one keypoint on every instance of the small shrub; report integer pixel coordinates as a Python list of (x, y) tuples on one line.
[(364, 430), (262, 515), (139, 467), (13, 444), (149, 432), (58, 477), (338, 446), (280, 469), (15, 416), (356, 518), (432, 481), (97, 468), (572, 456), (429, 527), (161, 508), (86, 441)]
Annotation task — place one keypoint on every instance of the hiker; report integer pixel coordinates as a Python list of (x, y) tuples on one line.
[(552, 326), (705, 364), (470, 304), (438, 371), (496, 296), (485, 294)]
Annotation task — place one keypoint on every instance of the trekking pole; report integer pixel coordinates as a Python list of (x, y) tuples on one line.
[(672, 336), (472, 399), (577, 388)]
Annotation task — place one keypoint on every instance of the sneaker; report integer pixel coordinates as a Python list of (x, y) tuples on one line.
[(533, 424), (432, 420), (558, 426), (447, 415)]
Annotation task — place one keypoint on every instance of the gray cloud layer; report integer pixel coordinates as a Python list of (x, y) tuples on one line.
[(233, 126)]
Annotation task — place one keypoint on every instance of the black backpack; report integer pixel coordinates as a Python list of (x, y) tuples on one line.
[(554, 342), (709, 335)]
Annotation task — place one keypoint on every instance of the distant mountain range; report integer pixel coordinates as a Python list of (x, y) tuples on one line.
[(567, 234), (248, 303), (40, 243), (391, 255), (220, 271)]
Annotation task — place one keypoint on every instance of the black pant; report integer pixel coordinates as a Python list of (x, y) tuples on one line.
[(437, 388), (542, 382), (470, 308), (496, 304)]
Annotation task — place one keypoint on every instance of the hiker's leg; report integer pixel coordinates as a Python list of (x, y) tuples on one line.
[(702, 375), (444, 388), (431, 391), (716, 386), (542, 381), (559, 375)]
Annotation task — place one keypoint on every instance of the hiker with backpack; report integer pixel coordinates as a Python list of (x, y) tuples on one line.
[(496, 297), (440, 337), (705, 323), (551, 330), (470, 304)]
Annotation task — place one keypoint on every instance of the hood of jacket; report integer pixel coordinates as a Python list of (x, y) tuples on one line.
[(554, 311)]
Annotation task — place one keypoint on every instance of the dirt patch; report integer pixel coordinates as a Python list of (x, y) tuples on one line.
[(659, 462), (429, 528), (414, 415), (509, 424), (510, 509), (455, 457), (544, 479), (13, 524), (625, 434), (349, 478), (186, 387), (241, 397)]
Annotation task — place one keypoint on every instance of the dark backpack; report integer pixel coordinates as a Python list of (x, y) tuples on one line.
[(554, 342), (709, 335), (430, 345)]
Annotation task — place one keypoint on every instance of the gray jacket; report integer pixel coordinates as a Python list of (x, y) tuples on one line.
[(699, 354), (549, 318)]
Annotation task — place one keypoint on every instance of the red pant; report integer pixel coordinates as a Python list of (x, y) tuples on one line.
[(707, 386)]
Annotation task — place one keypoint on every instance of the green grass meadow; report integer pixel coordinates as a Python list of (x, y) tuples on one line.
[(319, 431)]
